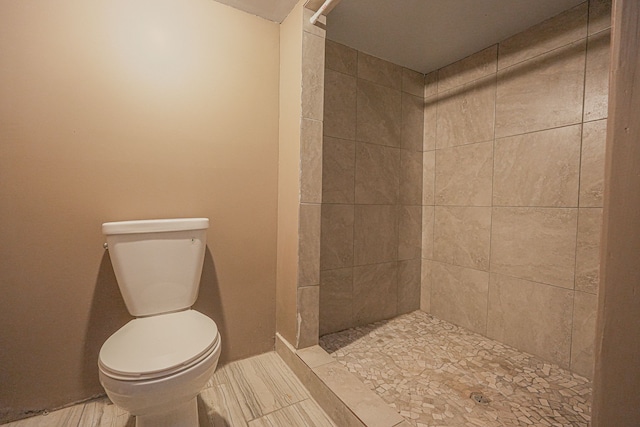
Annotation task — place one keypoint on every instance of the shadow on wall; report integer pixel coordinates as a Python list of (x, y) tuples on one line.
[(209, 301), (109, 313)]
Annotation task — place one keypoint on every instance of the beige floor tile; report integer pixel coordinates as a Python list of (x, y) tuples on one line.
[(306, 413)]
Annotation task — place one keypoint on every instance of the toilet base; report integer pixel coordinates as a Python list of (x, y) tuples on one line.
[(184, 415)]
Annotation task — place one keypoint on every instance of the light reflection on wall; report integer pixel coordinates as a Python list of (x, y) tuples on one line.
[(154, 42)]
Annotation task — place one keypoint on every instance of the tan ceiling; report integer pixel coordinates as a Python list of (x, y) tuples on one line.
[(423, 35)]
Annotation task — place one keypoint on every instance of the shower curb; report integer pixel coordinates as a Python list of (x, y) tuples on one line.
[(345, 399)]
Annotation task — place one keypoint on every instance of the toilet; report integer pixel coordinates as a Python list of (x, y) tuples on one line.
[(155, 365)]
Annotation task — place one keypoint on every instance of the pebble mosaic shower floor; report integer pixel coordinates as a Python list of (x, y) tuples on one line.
[(429, 369)]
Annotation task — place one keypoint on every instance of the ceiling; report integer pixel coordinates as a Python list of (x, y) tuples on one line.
[(422, 35)]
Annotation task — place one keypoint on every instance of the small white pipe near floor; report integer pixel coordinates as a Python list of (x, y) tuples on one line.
[(327, 4)]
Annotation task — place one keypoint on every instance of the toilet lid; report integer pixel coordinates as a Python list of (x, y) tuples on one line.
[(158, 345)]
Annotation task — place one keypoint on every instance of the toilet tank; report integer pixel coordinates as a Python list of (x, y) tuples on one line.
[(157, 262)]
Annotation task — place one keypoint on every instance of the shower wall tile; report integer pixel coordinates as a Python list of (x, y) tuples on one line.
[(409, 236), (379, 114), (336, 300), (375, 234), (311, 28), (341, 58), (308, 303), (594, 138), (375, 292), (473, 67), (428, 177), (596, 86), (588, 250), (426, 285), (462, 236), (412, 122), (312, 76), (311, 161), (379, 71), (409, 285), (413, 82), (340, 103), (537, 244), (599, 15), (530, 316), (338, 170), (538, 169), (463, 175), (336, 237), (377, 174), (541, 93), (430, 124), (459, 295), (466, 114), (551, 34), (431, 84), (583, 337), (428, 217), (410, 177), (309, 245)]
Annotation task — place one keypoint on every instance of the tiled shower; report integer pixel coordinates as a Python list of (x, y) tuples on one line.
[(473, 193)]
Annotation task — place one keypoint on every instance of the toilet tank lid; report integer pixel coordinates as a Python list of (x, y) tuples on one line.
[(154, 225)]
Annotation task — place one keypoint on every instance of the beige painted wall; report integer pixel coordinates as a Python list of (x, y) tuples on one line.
[(115, 110)]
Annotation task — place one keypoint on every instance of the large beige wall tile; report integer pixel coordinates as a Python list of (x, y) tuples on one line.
[(596, 85), (588, 249), (375, 292), (585, 307), (379, 114), (462, 236), (412, 122), (311, 161), (377, 174), (531, 316), (410, 177), (338, 170), (594, 138), (375, 234), (466, 114), (425, 285), (312, 76), (309, 245), (599, 15), (541, 93), (336, 299), (379, 71), (339, 105), (473, 67), (308, 307), (428, 177), (536, 244), (538, 169), (464, 174), (409, 285), (341, 58), (430, 124), (409, 233), (428, 215), (336, 236), (431, 84), (551, 34), (413, 82), (459, 295)]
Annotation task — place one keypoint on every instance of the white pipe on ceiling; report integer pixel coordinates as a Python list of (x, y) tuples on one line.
[(327, 4)]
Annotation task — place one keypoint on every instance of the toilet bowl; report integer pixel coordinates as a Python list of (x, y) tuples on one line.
[(155, 365)]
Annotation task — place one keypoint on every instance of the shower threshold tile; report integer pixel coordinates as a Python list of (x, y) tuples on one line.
[(437, 374)]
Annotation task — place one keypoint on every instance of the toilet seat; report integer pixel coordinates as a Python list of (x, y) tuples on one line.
[(158, 346)]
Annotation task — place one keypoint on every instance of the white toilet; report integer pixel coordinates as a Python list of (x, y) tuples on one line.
[(155, 365)]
